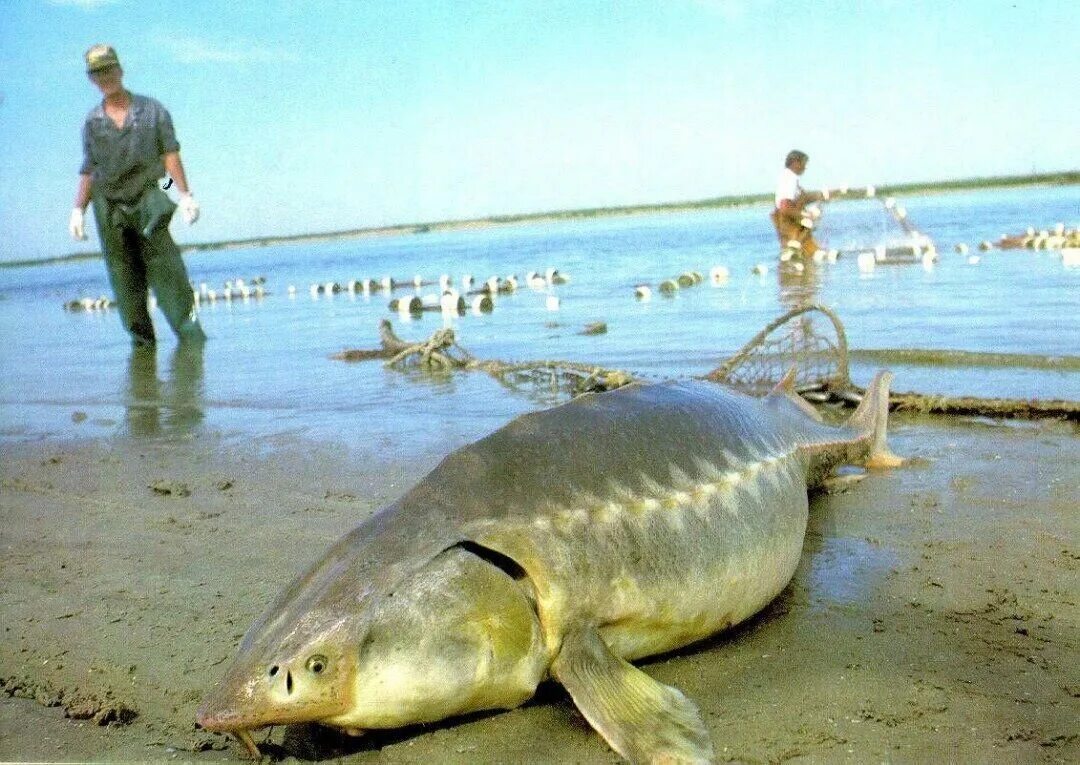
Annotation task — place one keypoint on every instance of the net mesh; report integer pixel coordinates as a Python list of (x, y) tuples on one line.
[(809, 339), (864, 224)]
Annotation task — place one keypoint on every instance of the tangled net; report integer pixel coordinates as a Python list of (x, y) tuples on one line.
[(810, 339), (442, 352)]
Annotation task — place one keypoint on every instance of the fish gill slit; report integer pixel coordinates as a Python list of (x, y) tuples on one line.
[(504, 563)]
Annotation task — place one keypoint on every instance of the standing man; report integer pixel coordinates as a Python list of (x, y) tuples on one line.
[(128, 145), (793, 222)]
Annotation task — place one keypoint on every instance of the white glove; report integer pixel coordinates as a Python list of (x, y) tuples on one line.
[(189, 208), (76, 225)]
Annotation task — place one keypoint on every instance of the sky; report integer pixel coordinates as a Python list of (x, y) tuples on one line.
[(297, 117)]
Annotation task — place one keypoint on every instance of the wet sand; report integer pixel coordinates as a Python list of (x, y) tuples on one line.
[(933, 616)]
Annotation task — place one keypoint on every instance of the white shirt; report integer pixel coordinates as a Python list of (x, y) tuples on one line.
[(787, 186)]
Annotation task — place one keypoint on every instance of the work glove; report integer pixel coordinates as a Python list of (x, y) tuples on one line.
[(77, 224), (189, 208)]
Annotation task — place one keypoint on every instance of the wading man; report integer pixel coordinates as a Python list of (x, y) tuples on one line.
[(128, 145), (793, 222)]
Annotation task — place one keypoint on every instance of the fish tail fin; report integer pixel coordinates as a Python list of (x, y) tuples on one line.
[(871, 418)]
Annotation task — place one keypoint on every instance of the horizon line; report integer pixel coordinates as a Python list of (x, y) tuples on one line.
[(1056, 178)]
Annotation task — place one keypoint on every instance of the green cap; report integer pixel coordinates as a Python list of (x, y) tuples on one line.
[(101, 57)]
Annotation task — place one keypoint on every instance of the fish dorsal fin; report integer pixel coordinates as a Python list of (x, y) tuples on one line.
[(785, 391), (786, 386), (641, 719)]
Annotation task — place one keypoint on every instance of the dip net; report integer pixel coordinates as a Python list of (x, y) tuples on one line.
[(809, 339)]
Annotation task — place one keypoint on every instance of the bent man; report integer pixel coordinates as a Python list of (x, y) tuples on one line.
[(128, 145), (793, 225)]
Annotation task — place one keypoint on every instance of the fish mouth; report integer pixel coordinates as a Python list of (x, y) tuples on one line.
[(244, 737), (233, 724), (243, 733), (241, 726)]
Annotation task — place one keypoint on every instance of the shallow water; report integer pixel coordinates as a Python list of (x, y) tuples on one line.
[(845, 570), (267, 372)]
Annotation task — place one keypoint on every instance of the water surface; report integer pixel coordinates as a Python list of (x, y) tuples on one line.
[(266, 371)]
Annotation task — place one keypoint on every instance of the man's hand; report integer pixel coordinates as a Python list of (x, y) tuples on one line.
[(77, 224), (189, 208)]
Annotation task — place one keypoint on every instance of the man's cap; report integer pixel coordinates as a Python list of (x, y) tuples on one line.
[(101, 57)]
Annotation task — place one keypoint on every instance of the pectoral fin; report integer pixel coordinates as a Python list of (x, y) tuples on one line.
[(641, 719)]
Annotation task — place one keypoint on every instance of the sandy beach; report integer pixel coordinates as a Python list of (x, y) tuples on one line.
[(933, 616)]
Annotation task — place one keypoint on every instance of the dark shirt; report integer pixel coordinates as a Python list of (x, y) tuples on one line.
[(123, 161)]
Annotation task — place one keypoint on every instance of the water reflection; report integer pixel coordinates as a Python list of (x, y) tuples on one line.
[(846, 570), (799, 282), (169, 407)]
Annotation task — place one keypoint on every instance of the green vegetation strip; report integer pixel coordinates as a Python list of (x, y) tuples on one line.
[(946, 358), (738, 200), (974, 184)]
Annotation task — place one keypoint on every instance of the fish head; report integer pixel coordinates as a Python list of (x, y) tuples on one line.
[(460, 635), (455, 635), (303, 676)]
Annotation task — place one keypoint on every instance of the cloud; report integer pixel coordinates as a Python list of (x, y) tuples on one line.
[(196, 50)]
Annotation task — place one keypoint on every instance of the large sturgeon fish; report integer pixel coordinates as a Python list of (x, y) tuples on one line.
[(566, 544)]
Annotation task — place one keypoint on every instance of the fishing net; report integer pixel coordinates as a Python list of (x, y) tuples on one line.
[(441, 352), (809, 339), (869, 223)]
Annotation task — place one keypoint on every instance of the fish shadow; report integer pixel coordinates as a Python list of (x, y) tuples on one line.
[(318, 743)]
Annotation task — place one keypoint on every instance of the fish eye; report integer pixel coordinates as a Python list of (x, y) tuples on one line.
[(316, 664)]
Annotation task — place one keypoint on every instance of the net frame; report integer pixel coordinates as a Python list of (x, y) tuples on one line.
[(820, 362)]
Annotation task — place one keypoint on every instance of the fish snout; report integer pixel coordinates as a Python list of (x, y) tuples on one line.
[(210, 717), (231, 706)]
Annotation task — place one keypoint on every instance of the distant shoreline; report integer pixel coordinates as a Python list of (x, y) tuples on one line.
[(732, 201)]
